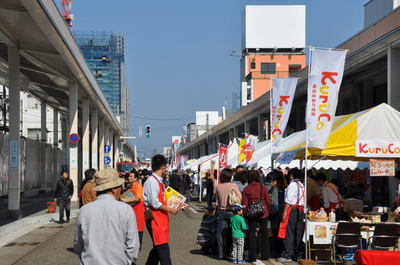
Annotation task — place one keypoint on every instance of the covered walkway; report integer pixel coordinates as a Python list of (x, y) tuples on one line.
[(38, 55)]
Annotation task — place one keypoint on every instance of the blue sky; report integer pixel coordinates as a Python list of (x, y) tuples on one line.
[(177, 52)]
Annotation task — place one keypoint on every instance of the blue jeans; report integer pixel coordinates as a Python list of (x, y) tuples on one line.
[(224, 237)]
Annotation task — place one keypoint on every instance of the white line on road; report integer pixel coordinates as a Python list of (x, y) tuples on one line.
[(258, 262), (193, 210)]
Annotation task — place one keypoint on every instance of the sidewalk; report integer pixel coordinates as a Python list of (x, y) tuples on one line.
[(29, 206), (34, 215)]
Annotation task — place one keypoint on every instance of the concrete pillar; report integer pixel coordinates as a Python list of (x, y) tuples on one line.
[(55, 128), (116, 150), (55, 145), (65, 147), (260, 129), (393, 95), (14, 181), (393, 78), (73, 128), (106, 142), (43, 139), (101, 144), (111, 143), (246, 128), (85, 135), (236, 132), (95, 138), (43, 121)]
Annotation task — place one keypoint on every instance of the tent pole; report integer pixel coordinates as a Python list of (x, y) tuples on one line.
[(305, 161), (270, 128)]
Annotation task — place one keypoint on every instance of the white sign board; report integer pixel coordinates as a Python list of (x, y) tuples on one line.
[(202, 117), (274, 26), (377, 148)]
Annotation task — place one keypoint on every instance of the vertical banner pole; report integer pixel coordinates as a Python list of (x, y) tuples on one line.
[(305, 161), (270, 125)]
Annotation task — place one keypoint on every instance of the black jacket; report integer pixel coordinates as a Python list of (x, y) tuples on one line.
[(174, 182), (64, 188)]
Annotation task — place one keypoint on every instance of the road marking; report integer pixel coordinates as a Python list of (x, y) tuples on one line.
[(195, 207), (258, 262), (193, 210)]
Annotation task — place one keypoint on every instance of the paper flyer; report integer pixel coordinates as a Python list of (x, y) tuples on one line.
[(174, 199)]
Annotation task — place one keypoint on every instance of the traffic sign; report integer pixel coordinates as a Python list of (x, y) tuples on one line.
[(107, 148), (74, 138), (107, 160)]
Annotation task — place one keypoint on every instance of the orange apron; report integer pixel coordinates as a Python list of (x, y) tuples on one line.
[(139, 210), (284, 223), (160, 222)]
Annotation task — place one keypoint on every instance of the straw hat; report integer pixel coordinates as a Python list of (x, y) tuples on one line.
[(107, 179)]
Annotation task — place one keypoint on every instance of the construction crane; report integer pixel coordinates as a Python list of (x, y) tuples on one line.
[(66, 12)]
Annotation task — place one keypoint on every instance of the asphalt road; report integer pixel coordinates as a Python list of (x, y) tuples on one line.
[(56, 247)]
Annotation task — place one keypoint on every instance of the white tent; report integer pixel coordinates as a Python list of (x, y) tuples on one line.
[(261, 156), (206, 163), (233, 154)]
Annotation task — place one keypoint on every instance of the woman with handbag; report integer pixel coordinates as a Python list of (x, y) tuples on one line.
[(257, 205), (227, 194)]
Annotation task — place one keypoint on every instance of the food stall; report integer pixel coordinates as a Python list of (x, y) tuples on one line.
[(359, 138)]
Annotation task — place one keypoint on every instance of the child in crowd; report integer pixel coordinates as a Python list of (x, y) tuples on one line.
[(206, 237), (238, 229)]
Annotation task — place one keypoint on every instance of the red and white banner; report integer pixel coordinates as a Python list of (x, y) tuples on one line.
[(324, 82), (222, 159), (251, 142), (377, 148), (281, 104)]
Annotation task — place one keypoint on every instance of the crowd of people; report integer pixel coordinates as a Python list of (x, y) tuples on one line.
[(250, 215), (115, 210), (279, 198)]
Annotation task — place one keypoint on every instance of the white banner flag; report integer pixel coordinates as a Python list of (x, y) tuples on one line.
[(281, 104), (323, 90)]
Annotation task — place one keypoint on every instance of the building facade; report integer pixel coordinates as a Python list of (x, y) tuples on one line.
[(271, 47)]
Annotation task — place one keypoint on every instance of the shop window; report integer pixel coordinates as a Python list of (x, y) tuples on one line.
[(268, 68)]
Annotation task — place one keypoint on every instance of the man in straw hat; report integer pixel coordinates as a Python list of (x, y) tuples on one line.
[(106, 231), (157, 220)]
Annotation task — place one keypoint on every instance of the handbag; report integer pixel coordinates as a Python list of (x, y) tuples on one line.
[(233, 197), (256, 209)]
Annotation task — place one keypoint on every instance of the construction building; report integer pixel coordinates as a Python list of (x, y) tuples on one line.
[(104, 54)]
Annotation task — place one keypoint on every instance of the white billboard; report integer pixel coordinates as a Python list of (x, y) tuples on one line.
[(176, 139), (274, 26), (203, 116)]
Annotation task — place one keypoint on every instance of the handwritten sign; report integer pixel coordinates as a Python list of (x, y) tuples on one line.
[(382, 168)]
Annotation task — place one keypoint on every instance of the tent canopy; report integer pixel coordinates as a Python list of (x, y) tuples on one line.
[(261, 156), (377, 123)]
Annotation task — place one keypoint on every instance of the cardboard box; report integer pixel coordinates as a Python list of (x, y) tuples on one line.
[(353, 204)]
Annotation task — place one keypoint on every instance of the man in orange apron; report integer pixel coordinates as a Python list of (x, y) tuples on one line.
[(291, 228), (157, 222)]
